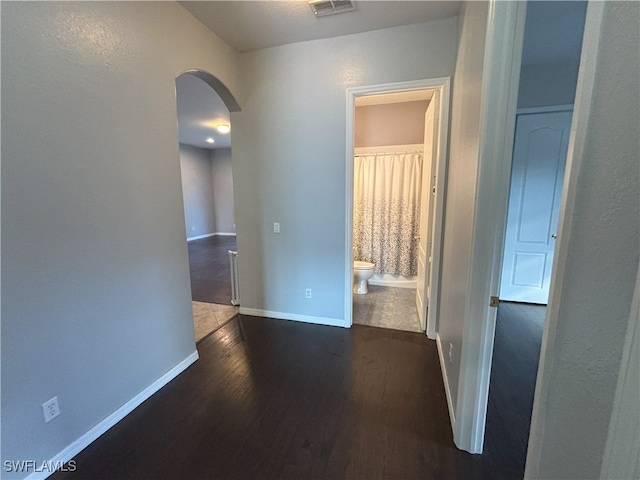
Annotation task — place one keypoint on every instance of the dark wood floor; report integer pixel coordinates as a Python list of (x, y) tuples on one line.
[(209, 267), (516, 353), (276, 399)]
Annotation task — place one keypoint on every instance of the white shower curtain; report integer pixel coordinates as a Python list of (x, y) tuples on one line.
[(387, 210)]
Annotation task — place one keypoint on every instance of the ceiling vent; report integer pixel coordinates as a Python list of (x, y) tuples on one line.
[(322, 8)]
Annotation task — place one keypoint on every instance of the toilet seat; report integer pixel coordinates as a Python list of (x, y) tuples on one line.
[(358, 265)]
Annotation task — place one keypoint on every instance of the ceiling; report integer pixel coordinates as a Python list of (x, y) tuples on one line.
[(253, 25), (200, 111), (553, 33)]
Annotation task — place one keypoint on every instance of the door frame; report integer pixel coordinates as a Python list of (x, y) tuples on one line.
[(526, 111), (499, 98), (443, 86), (502, 66), (590, 60), (427, 192), (548, 109)]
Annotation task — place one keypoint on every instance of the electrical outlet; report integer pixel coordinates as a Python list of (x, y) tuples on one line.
[(276, 228), (50, 409), (450, 352), (307, 293)]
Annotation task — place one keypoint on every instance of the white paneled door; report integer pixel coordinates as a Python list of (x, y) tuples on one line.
[(537, 173)]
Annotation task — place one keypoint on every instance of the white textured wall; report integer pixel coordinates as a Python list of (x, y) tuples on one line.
[(289, 157), (96, 302), (223, 203), (584, 340), (197, 191), (461, 184)]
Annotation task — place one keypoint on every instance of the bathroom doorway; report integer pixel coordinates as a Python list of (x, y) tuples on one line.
[(204, 132), (395, 165)]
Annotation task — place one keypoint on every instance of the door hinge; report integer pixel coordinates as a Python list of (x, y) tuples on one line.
[(494, 301)]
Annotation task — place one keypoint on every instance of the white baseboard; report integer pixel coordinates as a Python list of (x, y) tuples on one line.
[(199, 237), (85, 440), (332, 322), (445, 379), (215, 234)]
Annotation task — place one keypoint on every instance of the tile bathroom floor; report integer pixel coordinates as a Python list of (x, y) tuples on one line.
[(387, 307), (209, 317), (211, 284)]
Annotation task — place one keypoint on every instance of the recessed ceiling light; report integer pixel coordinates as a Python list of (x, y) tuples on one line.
[(222, 128), (210, 140)]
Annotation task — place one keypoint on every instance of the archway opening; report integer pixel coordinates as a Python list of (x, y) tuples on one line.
[(204, 135)]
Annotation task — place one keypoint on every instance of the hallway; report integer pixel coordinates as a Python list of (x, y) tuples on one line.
[(209, 268), (278, 399), (516, 354)]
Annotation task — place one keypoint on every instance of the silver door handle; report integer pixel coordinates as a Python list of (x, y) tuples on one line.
[(554, 235)]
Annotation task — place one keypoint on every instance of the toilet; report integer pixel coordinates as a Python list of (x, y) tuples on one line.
[(362, 271)]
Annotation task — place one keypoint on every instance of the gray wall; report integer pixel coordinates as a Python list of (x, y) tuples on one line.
[(96, 302), (551, 53), (390, 124), (197, 191), (289, 157), (223, 203), (461, 185), (583, 343), (548, 84)]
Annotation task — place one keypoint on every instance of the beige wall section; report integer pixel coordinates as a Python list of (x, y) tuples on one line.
[(590, 305), (289, 157), (96, 302), (390, 124), (461, 186)]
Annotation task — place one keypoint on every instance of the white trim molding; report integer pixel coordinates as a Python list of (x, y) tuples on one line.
[(447, 388), (433, 312), (85, 440), (331, 322), (547, 109), (577, 144), (440, 85), (215, 234), (200, 237), (503, 55)]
